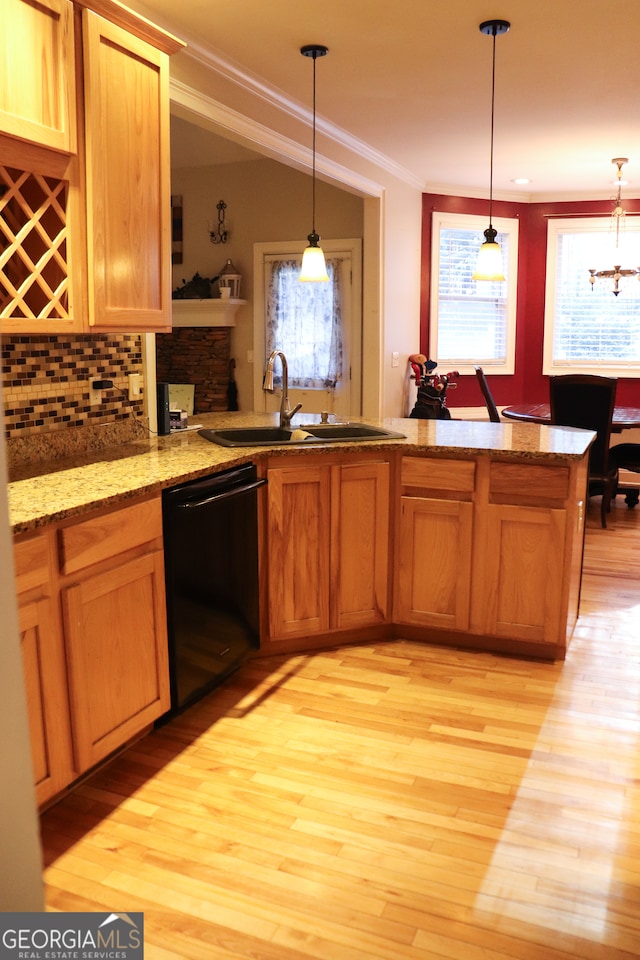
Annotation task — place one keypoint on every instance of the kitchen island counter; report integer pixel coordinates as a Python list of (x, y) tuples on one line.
[(59, 489)]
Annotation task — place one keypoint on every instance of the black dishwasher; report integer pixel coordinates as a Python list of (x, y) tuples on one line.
[(211, 575)]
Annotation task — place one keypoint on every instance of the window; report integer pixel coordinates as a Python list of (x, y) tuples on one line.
[(304, 320), (472, 321), (588, 329)]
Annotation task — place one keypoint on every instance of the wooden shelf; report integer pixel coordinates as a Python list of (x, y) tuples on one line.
[(205, 313)]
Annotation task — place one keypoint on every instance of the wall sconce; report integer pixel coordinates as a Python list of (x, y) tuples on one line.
[(221, 234)]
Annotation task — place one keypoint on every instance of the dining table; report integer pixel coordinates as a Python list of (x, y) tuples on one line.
[(624, 418)]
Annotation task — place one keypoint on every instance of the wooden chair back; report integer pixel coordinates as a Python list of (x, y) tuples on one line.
[(494, 416), (587, 401)]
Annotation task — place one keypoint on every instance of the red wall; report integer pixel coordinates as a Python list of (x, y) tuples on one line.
[(527, 383)]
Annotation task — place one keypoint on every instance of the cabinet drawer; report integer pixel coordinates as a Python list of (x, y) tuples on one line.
[(31, 559), (456, 475), (517, 480), (108, 535)]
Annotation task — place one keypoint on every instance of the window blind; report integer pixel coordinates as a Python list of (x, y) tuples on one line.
[(472, 314), (590, 324)]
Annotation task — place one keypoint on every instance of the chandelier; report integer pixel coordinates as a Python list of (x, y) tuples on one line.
[(617, 221)]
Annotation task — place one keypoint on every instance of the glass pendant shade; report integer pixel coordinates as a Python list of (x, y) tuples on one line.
[(313, 267), (489, 265)]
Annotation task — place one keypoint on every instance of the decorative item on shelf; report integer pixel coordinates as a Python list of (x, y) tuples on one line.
[(220, 235), (229, 279), (313, 267), (617, 220), (198, 288), (489, 265)]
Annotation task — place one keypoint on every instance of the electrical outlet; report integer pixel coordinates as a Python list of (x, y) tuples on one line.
[(95, 396), (134, 386), (395, 359)]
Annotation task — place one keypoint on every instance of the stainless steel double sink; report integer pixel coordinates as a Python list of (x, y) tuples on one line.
[(305, 434)]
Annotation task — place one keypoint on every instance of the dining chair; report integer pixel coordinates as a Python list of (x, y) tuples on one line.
[(626, 456), (494, 416), (582, 400)]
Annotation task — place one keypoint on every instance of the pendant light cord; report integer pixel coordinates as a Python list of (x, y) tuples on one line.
[(493, 28), (313, 187), (493, 99), (314, 50)]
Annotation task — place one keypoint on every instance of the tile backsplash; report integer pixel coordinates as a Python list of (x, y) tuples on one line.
[(45, 381)]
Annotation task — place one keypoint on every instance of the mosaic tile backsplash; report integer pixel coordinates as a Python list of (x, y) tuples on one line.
[(45, 381)]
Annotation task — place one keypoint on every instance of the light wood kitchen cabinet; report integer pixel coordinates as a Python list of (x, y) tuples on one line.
[(490, 549), (126, 89), (327, 535), (44, 666), (433, 582), (87, 232), (115, 627), (523, 553), (91, 605), (519, 594), (299, 542), (37, 73)]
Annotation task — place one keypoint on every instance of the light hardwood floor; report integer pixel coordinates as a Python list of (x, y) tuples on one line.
[(398, 801)]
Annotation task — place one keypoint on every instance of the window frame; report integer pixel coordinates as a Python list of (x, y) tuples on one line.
[(551, 367), (462, 221)]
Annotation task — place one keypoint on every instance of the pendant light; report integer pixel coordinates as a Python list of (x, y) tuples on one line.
[(489, 265), (314, 267)]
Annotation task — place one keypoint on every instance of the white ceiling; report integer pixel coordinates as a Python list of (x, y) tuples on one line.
[(412, 80)]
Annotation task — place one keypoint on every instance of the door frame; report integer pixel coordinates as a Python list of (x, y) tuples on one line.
[(353, 332)]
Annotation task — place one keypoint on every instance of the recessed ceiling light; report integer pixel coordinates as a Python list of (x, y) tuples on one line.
[(521, 180)]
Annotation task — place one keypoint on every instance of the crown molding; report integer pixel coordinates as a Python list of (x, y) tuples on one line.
[(264, 140), (257, 88)]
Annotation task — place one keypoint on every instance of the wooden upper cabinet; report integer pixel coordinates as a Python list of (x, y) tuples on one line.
[(85, 210), (126, 85), (37, 87)]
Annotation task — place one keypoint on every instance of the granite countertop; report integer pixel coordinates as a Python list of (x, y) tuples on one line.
[(69, 487)]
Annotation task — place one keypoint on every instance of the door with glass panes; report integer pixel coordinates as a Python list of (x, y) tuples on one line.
[(316, 325)]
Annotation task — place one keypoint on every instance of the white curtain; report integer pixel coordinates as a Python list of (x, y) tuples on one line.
[(304, 320)]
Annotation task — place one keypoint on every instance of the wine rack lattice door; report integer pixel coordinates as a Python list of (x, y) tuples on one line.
[(34, 274)]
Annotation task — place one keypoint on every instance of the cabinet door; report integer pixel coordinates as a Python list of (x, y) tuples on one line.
[(434, 562), (115, 627), (128, 188), (37, 82), (518, 592), (47, 703), (360, 544), (299, 544)]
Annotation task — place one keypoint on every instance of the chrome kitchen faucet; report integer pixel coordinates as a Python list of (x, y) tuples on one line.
[(286, 415)]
